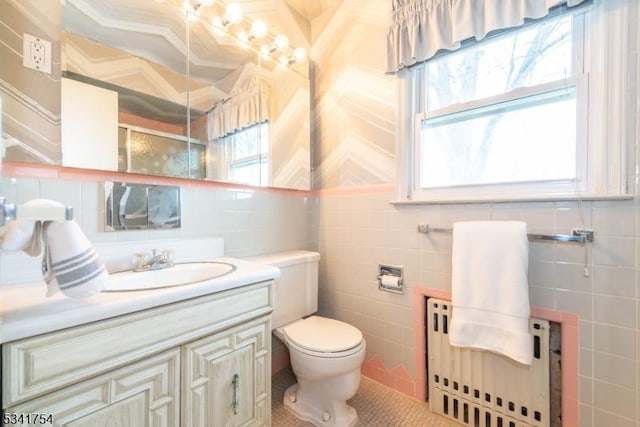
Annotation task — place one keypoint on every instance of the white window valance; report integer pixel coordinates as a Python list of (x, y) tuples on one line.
[(420, 28), (246, 106)]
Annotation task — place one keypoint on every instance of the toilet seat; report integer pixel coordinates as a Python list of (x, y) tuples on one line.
[(323, 337)]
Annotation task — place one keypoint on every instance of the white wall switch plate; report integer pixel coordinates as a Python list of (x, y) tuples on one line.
[(36, 53)]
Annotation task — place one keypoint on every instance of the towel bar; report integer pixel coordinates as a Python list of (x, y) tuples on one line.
[(578, 235), (11, 211)]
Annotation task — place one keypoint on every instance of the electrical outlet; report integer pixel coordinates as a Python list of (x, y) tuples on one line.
[(36, 53)]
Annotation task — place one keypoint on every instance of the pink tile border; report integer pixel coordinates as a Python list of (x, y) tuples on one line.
[(397, 378), (38, 170), (35, 170)]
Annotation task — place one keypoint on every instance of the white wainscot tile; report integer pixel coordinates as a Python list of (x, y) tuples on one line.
[(615, 221), (614, 251), (615, 281), (614, 369), (69, 193), (614, 340), (615, 310), (616, 400), (579, 303)]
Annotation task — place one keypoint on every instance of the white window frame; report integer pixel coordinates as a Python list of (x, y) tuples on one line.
[(262, 158), (602, 155)]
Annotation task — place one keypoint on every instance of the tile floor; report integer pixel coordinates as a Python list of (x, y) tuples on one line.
[(377, 406)]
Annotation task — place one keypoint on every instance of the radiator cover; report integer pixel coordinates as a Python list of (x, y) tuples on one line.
[(484, 389)]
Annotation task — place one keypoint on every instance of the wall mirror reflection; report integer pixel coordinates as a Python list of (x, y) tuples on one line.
[(189, 89)]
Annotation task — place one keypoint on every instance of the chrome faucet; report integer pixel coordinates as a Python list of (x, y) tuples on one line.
[(156, 262)]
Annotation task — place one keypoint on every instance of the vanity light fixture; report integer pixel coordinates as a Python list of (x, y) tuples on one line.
[(258, 31), (233, 14)]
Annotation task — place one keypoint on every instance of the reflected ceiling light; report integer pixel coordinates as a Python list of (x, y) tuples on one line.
[(280, 43), (284, 60), (299, 55), (232, 15), (192, 7), (265, 51), (258, 31)]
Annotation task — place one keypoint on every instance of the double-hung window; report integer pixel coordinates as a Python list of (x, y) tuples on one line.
[(246, 155), (505, 118)]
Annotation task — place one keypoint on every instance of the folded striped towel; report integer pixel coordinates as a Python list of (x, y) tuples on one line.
[(70, 264)]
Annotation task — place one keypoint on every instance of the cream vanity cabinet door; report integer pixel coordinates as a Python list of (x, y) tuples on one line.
[(145, 393), (226, 377)]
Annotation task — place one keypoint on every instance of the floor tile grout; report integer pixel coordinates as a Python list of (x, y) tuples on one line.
[(376, 404)]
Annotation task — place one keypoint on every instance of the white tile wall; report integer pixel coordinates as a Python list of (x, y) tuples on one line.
[(358, 231), (250, 222)]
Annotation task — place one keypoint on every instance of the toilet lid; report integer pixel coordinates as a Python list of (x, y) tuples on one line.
[(321, 334)]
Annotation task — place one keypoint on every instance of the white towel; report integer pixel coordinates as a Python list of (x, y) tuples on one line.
[(69, 263), (489, 288)]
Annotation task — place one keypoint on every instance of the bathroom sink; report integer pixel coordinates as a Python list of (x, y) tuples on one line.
[(179, 275)]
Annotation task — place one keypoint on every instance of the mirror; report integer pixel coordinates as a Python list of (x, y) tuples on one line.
[(141, 206), (135, 53)]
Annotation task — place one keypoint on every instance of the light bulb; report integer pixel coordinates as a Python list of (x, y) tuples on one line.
[(233, 13), (265, 51), (283, 60), (217, 22), (258, 29), (299, 54), (243, 37), (281, 42), (192, 9)]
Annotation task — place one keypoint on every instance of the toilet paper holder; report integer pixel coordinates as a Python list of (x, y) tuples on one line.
[(390, 278)]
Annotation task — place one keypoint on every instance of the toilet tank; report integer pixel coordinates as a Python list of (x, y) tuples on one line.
[(296, 290)]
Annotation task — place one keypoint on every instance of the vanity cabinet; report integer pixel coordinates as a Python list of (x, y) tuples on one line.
[(199, 362)]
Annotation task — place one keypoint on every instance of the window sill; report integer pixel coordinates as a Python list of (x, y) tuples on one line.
[(512, 199)]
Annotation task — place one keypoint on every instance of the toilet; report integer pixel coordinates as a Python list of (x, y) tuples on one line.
[(326, 354)]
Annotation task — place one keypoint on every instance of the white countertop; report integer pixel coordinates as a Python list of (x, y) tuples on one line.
[(26, 311)]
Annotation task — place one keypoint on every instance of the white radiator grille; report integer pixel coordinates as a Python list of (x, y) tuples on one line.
[(483, 389)]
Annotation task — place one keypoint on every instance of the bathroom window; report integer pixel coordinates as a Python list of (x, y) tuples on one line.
[(247, 154), (507, 118)]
